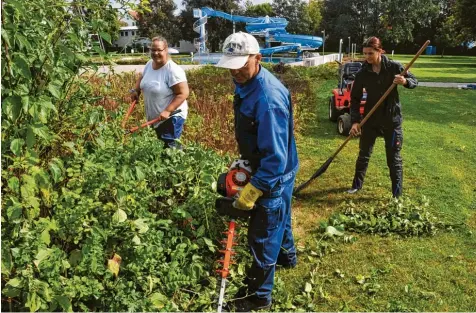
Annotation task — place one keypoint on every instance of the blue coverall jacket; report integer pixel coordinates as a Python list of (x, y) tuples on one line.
[(264, 132)]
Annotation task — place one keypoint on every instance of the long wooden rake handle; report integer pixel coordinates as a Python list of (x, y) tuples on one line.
[(324, 167), (389, 90)]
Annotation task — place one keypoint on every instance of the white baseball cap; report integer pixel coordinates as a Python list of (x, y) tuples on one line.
[(236, 50)]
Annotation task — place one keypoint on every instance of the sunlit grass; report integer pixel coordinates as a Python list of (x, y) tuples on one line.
[(416, 274), (455, 69)]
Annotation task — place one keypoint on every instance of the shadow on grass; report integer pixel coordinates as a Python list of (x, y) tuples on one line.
[(316, 196), (313, 194)]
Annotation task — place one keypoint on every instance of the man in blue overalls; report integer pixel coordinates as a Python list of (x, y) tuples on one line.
[(264, 133)]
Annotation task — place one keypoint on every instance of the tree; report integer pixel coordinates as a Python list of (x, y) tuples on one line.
[(314, 10), (217, 29), (258, 10), (447, 35), (465, 12), (160, 20), (357, 19), (403, 21), (296, 12)]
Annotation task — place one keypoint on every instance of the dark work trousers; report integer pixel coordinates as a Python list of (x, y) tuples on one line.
[(271, 241), (170, 130), (393, 144)]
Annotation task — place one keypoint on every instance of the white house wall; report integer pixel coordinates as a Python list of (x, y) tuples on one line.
[(126, 35)]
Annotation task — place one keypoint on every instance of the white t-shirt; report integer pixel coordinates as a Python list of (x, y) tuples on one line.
[(157, 88)]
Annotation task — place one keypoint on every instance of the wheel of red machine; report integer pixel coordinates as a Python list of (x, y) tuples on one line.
[(344, 124), (333, 112)]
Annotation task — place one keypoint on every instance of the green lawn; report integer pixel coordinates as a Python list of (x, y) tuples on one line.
[(458, 69), (414, 274)]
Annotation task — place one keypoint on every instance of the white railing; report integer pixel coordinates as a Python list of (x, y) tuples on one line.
[(315, 61), (199, 27)]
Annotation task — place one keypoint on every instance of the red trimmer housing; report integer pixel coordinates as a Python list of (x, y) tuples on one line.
[(229, 185), (232, 182)]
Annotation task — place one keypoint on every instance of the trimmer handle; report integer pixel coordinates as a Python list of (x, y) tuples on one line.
[(224, 207), (155, 120)]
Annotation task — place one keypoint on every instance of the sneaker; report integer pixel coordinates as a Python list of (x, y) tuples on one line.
[(352, 190)]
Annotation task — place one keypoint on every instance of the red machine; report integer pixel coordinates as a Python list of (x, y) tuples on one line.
[(339, 102), (232, 182), (229, 185)]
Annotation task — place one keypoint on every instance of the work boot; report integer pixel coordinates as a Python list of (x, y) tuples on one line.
[(284, 263), (242, 292), (285, 266), (251, 303)]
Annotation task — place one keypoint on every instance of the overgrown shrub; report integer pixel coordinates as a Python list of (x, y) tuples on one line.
[(151, 207), (93, 220)]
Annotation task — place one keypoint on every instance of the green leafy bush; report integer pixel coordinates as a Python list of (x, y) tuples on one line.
[(93, 220), (152, 207), (404, 217)]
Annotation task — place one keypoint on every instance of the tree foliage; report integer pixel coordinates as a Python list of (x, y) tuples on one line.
[(160, 19), (465, 12), (297, 14), (218, 29), (315, 15), (397, 22), (258, 10)]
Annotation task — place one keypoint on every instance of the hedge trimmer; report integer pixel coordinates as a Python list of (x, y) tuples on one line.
[(134, 129), (229, 185)]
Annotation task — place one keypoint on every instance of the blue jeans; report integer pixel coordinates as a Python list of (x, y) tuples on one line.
[(271, 240), (170, 130)]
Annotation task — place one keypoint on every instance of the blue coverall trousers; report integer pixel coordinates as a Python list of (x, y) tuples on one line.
[(170, 130), (271, 240)]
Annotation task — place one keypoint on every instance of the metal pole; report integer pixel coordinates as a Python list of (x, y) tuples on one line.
[(340, 49), (349, 45), (323, 41), (233, 21)]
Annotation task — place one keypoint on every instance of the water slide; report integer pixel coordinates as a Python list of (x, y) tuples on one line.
[(272, 28)]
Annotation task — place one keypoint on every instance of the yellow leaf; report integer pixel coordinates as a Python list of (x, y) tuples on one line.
[(114, 264)]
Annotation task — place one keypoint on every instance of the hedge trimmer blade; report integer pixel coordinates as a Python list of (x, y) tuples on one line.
[(227, 253)]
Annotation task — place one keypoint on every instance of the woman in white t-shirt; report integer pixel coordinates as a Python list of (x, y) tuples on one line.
[(165, 89)]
